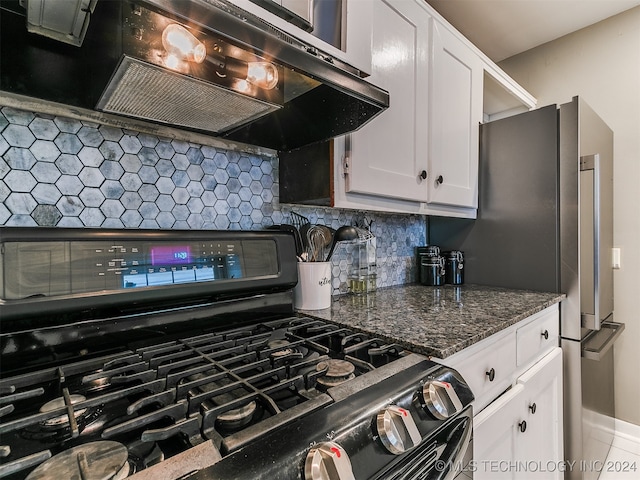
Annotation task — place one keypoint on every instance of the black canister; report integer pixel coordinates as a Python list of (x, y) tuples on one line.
[(454, 267), (432, 270), (425, 251)]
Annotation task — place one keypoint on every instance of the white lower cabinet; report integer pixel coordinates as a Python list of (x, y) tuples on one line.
[(540, 444), (519, 435), (494, 436), (516, 378)]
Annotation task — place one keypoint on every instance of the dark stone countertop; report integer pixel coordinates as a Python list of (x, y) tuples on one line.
[(435, 321)]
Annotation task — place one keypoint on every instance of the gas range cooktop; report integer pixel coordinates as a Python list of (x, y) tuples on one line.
[(229, 387), (175, 355)]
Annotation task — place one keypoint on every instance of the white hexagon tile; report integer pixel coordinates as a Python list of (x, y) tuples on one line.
[(56, 171)]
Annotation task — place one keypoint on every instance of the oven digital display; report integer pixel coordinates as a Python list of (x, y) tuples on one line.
[(171, 255)]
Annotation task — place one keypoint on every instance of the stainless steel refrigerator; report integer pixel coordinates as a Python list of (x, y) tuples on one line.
[(545, 223)]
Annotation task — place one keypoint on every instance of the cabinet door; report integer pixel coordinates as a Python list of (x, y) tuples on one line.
[(541, 445), (358, 34), (519, 435), (455, 116), (495, 432), (389, 153)]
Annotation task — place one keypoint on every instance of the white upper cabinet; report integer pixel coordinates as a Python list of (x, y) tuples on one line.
[(424, 147), (419, 156), (455, 110), (389, 153), (358, 34)]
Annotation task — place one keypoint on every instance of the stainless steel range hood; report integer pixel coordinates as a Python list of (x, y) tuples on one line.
[(124, 67)]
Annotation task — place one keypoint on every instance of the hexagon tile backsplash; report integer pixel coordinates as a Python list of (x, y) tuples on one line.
[(56, 171)]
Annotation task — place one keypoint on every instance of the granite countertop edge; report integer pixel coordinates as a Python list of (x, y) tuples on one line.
[(443, 353), (435, 321)]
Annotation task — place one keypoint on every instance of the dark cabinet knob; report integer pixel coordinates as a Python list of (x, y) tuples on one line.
[(533, 408), (522, 426), (440, 180), (545, 334), (423, 174), (491, 374)]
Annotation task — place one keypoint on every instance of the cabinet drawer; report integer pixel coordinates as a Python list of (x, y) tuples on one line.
[(537, 337), (489, 371)]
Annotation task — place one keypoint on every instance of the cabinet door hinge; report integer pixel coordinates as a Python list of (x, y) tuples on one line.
[(347, 155)]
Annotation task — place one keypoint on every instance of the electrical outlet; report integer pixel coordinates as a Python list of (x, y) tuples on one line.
[(615, 258)]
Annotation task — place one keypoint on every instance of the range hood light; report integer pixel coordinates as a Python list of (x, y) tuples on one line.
[(182, 44), (262, 74), (172, 62), (242, 86), (186, 65)]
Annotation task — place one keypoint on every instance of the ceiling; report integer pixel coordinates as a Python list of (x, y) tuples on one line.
[(502, 28)]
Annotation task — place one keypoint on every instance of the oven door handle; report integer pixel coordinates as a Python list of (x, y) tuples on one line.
[(450, 463)]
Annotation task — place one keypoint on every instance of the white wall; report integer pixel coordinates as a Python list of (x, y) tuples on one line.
[(601, 64)]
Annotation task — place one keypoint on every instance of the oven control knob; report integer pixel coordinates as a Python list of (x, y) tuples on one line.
[(328, 461), (397, 429), (441, 399)]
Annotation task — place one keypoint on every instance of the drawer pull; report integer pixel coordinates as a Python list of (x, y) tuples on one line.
[(545, 334), (491, 374), (533, 408), (522, 426)]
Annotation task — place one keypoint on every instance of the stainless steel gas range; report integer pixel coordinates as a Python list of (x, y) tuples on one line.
[(177, 354)]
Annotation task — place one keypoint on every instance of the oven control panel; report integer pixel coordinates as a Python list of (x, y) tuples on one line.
[(132, 265), (51, 268)]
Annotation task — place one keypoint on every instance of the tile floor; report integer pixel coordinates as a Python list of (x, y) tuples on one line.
[(623, 461)]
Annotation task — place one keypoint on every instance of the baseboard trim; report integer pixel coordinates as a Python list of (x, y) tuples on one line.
[(629, 431)]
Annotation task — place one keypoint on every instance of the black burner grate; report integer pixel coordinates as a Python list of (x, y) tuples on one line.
[(177, 394)]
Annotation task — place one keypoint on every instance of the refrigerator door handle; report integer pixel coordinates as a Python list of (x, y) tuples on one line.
[(598, 342), (590, 234)]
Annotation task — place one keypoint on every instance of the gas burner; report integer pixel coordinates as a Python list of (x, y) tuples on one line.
[(57, 403), (337, 372), (102, 460), (238, 417), (285, 349), (277, 343), (286, 353)]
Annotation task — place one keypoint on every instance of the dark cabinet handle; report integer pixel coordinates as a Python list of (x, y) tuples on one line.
[(440, 180), (545, 334), (533, 408), (491, 374), (523, 426), (423, 174)]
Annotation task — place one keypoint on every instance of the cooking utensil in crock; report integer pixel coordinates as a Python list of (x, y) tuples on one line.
[(318, 237), (345, 233)]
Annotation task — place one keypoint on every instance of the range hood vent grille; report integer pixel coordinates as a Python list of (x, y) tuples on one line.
[(141, 90)]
